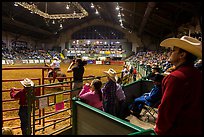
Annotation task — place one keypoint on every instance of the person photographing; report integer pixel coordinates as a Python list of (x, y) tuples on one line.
[(77, 67)]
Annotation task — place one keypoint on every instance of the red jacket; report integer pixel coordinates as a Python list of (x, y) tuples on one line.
[(180, 111), (19, 94)]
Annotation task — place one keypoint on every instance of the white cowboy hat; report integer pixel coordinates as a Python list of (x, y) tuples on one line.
[(111, 73), (186, 43), (56, 58), (27, 82)]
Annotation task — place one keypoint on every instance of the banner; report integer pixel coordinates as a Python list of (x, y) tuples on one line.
[(59, 106), (59, 98), (43, 102)]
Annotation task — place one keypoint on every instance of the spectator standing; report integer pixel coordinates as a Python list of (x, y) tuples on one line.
[(78, 72), (134, 74), (113, 95), (198, 64), (180, 111), (23, 110)]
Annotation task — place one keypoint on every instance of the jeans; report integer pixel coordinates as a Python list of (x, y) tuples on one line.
[(23, 114)]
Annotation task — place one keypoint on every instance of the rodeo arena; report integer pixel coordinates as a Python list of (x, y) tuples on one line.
[(101, 68)]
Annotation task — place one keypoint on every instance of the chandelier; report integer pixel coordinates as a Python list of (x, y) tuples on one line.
[(34, 9)]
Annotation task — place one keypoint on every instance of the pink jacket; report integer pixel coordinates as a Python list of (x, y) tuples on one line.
[(90, 97)]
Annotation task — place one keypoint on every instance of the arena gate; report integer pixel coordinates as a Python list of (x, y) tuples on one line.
[(49, 110), (39, 92)]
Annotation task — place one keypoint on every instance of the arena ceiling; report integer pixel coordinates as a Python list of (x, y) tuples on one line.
[(157, 19)]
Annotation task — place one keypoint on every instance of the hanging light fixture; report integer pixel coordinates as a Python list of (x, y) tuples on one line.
[(96, 12), (92, 6), (33, 8)]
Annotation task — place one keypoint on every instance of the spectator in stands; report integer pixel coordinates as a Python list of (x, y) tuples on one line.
[(155, 70), (125, 75), (55, 65), (135, 74), (180, 111), (150, 98), (91, 94), (169, 70), (198, 64), (23, 110), (113, 95), (125, 72), (7, 131), (131, 71), (78, 72), (166, 65)]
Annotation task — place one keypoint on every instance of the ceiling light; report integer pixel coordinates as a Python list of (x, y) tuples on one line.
[(97, 11), (32, 7), (61, 26), (15, 4), (92, 6), (67, 7), (117, 8), (53, 22)]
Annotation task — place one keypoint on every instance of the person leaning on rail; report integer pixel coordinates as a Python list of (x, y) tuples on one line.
[(23, 109), (180, 111), (91, 94)]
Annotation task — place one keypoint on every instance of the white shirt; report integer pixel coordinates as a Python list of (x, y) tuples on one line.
[(55, 64)]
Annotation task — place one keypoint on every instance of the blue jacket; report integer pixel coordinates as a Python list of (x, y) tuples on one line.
[(154, 95)]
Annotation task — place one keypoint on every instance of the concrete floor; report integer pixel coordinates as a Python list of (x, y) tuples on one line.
[(145, 121)]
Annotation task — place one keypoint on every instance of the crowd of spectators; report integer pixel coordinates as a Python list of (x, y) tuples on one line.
[(156, 59), (97, 49), (151, 59), (23, 52)]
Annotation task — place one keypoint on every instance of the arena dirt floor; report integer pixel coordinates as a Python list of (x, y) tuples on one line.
[(90, 69)]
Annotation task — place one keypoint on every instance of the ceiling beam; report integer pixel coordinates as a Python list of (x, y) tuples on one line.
[(186, 6), (24, 26), (149, 9)]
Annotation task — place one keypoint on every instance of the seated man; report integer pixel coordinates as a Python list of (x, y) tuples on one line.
[(150, 98)]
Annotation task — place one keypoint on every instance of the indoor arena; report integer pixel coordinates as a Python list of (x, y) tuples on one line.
[(102, 68)]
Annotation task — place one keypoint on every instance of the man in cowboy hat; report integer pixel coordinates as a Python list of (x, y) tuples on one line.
[(180, 111), (22, 96), (113, 95)]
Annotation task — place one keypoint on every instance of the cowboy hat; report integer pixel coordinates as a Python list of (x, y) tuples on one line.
[(56, 58), (186, 43), (158, 78), (111, 73), (27, 82)]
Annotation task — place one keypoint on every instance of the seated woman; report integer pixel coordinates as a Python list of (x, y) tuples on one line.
[(150, 99), (91, 94)]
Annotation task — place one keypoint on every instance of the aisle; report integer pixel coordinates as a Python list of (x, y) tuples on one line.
[(138, 122)]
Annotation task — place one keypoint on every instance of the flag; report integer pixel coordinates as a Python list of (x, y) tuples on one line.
[(62, 56)]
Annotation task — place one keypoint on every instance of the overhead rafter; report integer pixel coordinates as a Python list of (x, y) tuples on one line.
[(24, 26), (150, 7)]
